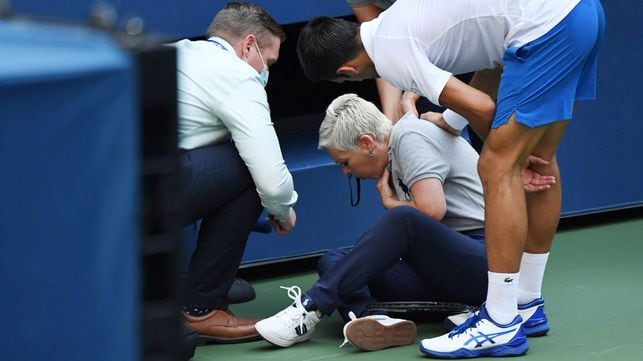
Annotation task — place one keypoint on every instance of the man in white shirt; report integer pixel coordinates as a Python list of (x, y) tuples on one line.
[(231, 162), (390, 96), (546, 51)]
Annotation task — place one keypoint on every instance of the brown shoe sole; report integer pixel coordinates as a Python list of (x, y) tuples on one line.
[(205, 339), (370, 335)]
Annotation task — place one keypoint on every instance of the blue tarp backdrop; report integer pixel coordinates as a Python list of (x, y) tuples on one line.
[(68, 196)]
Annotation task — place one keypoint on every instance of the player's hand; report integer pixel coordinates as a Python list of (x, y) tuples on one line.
[(387, 194), (533, 181), (282, 228), (438, 119), (407, 103)]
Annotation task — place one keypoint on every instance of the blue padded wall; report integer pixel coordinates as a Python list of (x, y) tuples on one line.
[(325, 219), (600, 156), (179, 19), (68, 196)]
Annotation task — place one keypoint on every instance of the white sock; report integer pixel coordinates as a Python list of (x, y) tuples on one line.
[(502, 297), (532, 270)]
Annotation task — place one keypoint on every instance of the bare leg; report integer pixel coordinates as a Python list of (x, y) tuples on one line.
[(506, 215), (514, 222), (543, 208)]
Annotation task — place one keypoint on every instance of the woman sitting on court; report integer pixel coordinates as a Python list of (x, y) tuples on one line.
[(428, 245)]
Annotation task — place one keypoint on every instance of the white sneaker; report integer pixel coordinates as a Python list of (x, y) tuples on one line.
[(534, 319), (376, 332), (292, 325), (452, 321), (479, 336)]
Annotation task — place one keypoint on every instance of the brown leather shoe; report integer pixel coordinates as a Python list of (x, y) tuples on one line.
[(222, 326)]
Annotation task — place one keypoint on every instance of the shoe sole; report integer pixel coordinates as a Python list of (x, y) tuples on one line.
[(370, 335), (266, 335), (537, 325), (538, 330), (496, 351), (205, 339)]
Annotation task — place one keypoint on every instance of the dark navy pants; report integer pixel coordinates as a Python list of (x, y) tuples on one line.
[(218, 189), (404, 256)]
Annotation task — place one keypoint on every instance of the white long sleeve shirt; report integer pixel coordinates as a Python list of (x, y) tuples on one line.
[(220, 97)]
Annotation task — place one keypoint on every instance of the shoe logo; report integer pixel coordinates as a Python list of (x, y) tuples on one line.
[(301, 329), (481, 338), (509, 280)]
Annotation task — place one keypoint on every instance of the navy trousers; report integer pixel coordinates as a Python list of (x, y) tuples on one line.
[(405, 256), (218, 189)]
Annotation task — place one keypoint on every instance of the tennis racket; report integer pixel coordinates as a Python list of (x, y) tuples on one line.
[(421, 310)]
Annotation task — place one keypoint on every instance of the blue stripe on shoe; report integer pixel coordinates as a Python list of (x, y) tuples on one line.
[(537, 324)]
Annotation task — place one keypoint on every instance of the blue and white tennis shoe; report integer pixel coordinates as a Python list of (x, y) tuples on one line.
[(532, 313), (479, 336)]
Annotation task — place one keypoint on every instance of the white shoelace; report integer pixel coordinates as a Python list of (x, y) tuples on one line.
[(352, 316), (294, 293)]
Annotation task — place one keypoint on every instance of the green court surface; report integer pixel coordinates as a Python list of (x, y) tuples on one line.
[(594, 300)]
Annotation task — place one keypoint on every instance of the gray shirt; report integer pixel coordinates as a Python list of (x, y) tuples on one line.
[(430, 152)]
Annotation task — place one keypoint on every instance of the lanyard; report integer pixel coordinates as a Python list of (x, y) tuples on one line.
[(217, 44)]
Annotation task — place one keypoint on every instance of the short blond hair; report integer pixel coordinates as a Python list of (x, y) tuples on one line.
[(347, 118)]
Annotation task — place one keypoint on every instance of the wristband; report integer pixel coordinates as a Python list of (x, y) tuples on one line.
[(455, 120)]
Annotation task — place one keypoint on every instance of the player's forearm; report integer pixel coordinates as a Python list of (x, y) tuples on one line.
[(366, 13), (487, 81), (390, 97), (474, 105)]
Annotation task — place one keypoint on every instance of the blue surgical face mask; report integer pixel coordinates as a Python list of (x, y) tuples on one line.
[(264, 70)]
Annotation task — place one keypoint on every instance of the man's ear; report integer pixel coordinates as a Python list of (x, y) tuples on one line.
[(247, 42), (347, 71)]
